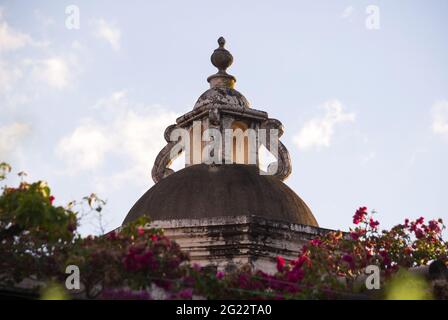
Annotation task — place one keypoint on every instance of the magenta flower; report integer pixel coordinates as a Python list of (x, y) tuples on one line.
[(373, 224), (140, 231), (360, 215), (280, 263), (316, 242)]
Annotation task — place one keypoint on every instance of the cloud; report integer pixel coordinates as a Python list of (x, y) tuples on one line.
[(131, 138), (21, 78), (106, 31), (318, 132), (138, 140), (10, 39), (116, 100), (439, 113), (54, 71), (85, 147), (347, 13), (9, 75), (10, 137)]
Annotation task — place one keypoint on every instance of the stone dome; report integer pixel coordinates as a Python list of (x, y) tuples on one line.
[(222, 96), (206, 191)]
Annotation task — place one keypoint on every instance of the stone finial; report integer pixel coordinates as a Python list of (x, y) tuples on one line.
[(221, 59)]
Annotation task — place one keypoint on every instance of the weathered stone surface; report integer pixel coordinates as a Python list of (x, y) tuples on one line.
[(222, 96), (233, 241)]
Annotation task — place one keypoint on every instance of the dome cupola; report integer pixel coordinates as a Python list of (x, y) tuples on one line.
[(220, 139)]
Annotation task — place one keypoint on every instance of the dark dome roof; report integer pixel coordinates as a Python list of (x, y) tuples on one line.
[(205, 191)]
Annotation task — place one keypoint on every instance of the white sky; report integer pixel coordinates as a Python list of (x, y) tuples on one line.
[(365, 111)]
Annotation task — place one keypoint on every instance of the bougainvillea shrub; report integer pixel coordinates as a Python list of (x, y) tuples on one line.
[(32, 230), (39, 239), (336, 261)]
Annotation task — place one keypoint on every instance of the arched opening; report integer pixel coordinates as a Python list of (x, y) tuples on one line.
[(240, 143)]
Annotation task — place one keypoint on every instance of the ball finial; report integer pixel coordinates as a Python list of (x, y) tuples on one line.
[(221, 59)]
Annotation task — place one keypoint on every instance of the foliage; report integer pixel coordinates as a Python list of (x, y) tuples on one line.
[(133, 257), (32, 231), (336, 261), (39, 239)]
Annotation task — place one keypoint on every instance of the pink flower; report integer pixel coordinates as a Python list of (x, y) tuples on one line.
[(112, 235), (301, 260), (316, 242), (433, 225), (296, 274), (419, 220), (138, 259), (419, 233), (243, 280), (360, 215), (354, 235), (51, 198), (280, 263), (219, 275), (185, 294), (140, 231), (373, 224)]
